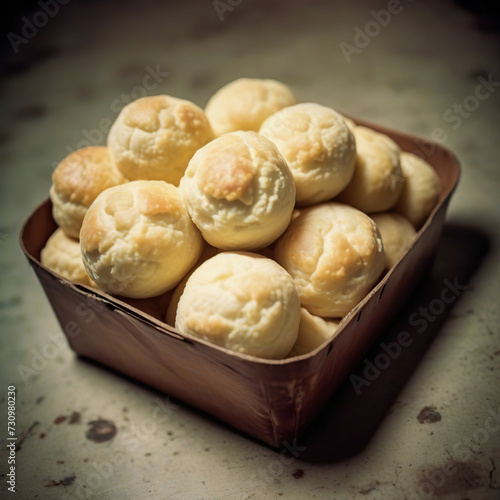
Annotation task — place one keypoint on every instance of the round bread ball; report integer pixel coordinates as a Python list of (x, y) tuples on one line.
[(313, 332), (243, 302), (239, 191), (397, 234), (335, 254), (153, 138), (62, 255), (76, 182), (208, 252), (378, 179), (318, 146), (245, 103), (137, 239), (421, 190)]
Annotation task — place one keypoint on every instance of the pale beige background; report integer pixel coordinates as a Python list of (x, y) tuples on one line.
[(66, 84)]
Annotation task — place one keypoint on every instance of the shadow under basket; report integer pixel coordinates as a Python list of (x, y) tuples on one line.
[(273, 401)]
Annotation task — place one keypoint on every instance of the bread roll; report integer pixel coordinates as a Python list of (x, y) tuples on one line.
[(421, 190), (239, 191), (137, 239), (318, 147), (62, 255), (397, 234), (335, 254), (378, 179), (243, 302), (154, 138), (77, 181), (208, 252), (245, 103), (313, 332)]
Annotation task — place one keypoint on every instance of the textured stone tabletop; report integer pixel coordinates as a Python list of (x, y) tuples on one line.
[(428, 425)]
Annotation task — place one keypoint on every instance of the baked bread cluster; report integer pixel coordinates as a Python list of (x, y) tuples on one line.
[(267, 219)]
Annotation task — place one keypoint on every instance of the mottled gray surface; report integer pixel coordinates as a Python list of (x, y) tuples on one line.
[(433, 416)]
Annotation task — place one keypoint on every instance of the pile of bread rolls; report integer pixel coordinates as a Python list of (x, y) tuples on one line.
[(268, 219)]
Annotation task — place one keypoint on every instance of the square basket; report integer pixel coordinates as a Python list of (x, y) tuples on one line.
[(271, 400)]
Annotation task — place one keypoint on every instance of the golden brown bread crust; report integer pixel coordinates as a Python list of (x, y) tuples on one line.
[(239, 191), (153, 201), (378, 180), (86, 173), (245, 103), (335, 254), (144, 115), (155, 137), (228, 174), (137, 239), (77, 181), (318, 146)]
